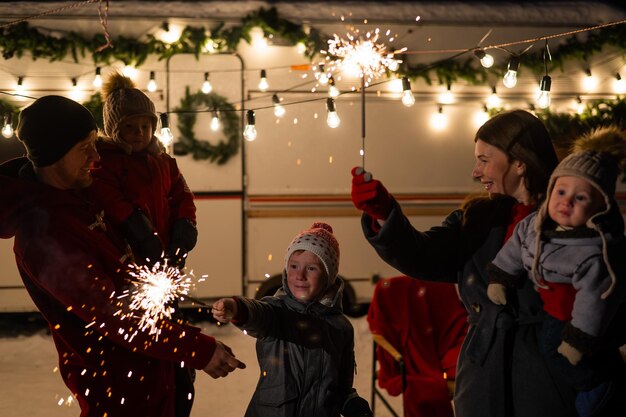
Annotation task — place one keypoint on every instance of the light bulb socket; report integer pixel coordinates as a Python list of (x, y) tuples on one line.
[(8, 119), (321, 67), (165, 26), (215, 114), (330, 104), (20, 80), (493, 90), (440, 110), (618, 77), (275, 99), (546, 83), (263, 74), (152, 75), (206, 76), (588, 72), (331, 80), (165, 120), (74, 82), (406, 84), (98, 70), (579, 100), (250, 117), (514, 63), (480, 54)]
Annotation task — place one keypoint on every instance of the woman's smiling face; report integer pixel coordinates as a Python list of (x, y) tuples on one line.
[(497, 173)]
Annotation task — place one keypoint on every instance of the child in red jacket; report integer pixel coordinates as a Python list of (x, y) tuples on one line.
[(138, 183)]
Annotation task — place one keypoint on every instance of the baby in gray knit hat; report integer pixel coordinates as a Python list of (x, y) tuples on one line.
[(571, 250)]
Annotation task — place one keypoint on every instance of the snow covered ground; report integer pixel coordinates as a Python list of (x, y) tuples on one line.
[(30, 386)]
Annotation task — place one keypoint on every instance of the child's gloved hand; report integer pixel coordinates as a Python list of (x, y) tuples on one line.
[(183, 238), (497, 293), (370, 195), (572, 354), (139, 232)]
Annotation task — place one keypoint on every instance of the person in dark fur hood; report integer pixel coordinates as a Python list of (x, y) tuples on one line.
[(305, 345), (571, 250)]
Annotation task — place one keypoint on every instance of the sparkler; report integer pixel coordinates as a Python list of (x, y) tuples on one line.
[(361, 55), (153, 292)]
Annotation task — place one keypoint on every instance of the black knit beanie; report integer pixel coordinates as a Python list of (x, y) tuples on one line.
[(51, 126)]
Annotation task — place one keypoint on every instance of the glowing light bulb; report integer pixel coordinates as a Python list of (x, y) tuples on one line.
[(206, 85), (408, 99), (249, 133), (447, 97), (543, 99), (279, 110), (580, 106), (130, 72), (481, 117), (97, 80), (333, 91), (493, 100), (215, 121), (486, 60), (7, 129), (439, 121), (590, 82), (510, 78), (332, 120), (152, 85), (166, 137), (263, 84), (323, 78), (619, 85)]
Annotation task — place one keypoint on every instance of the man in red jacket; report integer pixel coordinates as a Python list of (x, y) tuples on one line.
[(73, 268)]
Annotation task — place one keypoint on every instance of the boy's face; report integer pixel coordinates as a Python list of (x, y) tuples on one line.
[(137, 132), (306, 276), (573, 201)]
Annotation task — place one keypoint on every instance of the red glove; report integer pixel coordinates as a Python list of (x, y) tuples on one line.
[(370, 195)]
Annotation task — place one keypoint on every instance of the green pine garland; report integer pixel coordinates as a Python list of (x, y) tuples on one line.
[(199, 149)]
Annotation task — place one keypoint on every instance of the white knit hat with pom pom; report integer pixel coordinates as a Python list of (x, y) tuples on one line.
[(318, 239)]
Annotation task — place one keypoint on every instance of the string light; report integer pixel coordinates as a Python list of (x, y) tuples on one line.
[(152, 85), (332, 120), (263, 84), (580, 106), (481, 116), (447, 97), (279, 110), (510, 78), (249, 133), (619, 85), (7, 129), (543, 99), (408, 99), (322, 77), (486, 60), (590, 82), (493, 100), (333, 91), (439, 121), (215, 121), (75, 92), (97, 79), (130, 72), (206, 85), (166, 134), (20, 85)]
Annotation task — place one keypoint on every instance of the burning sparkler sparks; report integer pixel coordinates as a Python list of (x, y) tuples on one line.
[(153, 293), (361, 55)]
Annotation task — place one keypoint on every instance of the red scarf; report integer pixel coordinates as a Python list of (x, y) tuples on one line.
[(518, 212)]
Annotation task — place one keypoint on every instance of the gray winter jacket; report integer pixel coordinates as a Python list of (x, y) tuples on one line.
[(305, 354), (500, 371)]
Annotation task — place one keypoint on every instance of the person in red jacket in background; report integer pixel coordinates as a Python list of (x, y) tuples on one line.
[(143, 192), (72, 265)]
